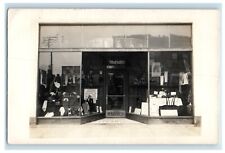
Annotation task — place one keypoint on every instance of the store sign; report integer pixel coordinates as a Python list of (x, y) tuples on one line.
[(117, 62)]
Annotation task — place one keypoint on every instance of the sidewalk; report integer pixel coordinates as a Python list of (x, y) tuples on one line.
[(113, 131)]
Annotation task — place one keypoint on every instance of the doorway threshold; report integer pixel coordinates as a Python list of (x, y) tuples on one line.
[(114, 121)]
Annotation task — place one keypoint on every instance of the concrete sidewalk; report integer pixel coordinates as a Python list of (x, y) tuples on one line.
[(113, 131)]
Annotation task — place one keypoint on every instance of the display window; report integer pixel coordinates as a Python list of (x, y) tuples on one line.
[(171, 84), (59, 84), (115, 70)]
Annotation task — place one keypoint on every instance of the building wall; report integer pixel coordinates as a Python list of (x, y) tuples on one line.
[(23, 59)]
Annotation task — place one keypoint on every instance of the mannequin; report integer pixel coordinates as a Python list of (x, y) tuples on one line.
[(184, 87), (56, 91), (91, 104)]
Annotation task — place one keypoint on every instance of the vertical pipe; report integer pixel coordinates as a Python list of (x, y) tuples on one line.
[(51, 64), (147, 41)]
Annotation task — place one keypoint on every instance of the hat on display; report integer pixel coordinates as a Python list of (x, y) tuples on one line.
[(52, 93), (57, 84)]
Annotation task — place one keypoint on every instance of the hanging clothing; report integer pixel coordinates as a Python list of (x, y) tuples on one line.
[(183, 79)]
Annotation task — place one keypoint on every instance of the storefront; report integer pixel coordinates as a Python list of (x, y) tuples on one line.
[(148, 51), (142, 72)]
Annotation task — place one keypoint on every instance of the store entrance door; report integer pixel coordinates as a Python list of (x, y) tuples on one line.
[(115, 96)]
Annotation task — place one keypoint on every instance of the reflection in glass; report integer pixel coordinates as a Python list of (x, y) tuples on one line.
[(101, 36), (60, 95), (170, 88), (116, 83), (116, 36), (115, 103), (103, 88), (61, 37)]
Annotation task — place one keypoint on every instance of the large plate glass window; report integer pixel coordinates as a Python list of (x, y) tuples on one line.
[(171, 84), (59, 84)]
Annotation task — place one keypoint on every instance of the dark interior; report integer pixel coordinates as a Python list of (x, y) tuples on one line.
[(121, 78)]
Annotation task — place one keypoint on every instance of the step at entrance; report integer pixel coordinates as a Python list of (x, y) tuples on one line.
[(115, 113)]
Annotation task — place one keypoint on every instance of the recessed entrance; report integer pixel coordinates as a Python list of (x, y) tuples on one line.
[(120, 79)]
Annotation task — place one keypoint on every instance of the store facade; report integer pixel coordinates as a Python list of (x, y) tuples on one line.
[(138, 71)]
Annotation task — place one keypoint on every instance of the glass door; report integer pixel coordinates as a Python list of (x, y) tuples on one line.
[(115, 105)]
